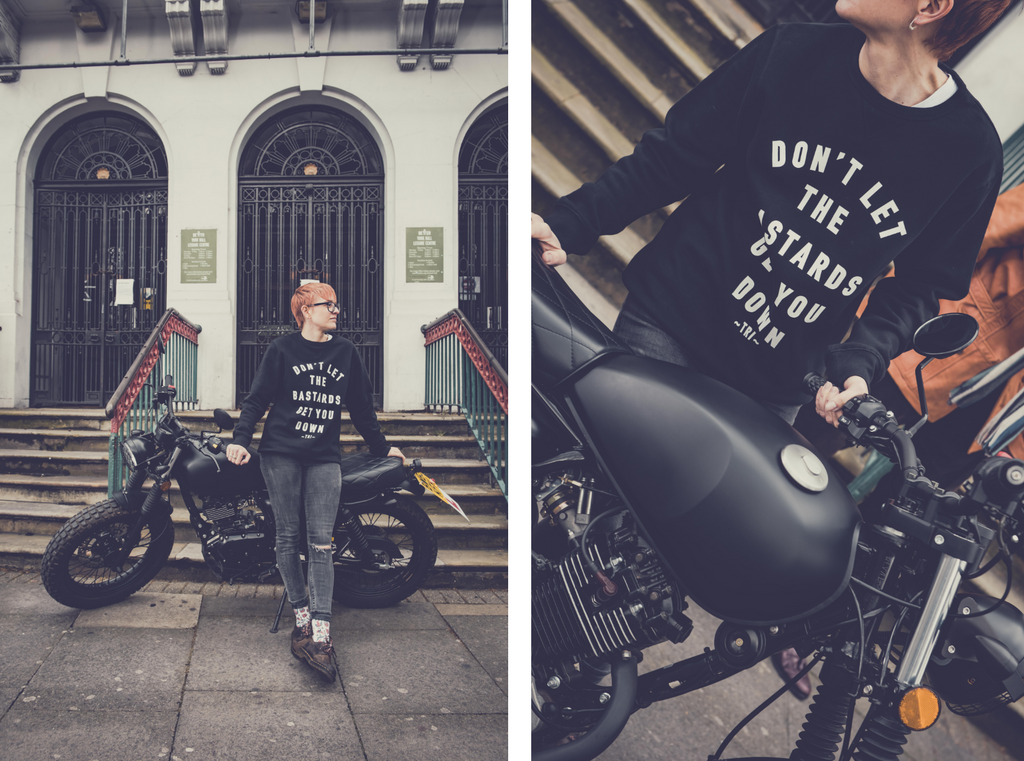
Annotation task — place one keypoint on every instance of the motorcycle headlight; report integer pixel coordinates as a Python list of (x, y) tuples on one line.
[(983, 663), (135, 450)]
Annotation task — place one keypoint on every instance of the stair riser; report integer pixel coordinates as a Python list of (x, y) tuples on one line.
[(440, 448), (442, 577), (484, 504), (447, 539), (390, 426), (39, 467)]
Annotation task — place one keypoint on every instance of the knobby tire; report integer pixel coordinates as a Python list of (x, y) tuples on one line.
[(74, 569)]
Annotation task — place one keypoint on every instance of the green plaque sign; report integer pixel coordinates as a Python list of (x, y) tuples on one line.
[(199, 256), (424, 254)]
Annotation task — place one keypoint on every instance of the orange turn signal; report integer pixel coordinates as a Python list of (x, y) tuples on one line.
[(919, 708), (166, 485)]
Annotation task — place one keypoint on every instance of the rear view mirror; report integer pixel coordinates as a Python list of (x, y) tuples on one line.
[(945, 335), (223, 419)]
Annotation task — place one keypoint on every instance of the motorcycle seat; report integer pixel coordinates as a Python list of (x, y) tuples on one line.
[(567, 337), (367, 474)]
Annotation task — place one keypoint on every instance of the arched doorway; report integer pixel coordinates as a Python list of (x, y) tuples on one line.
[(311, 189), (99, 259), (483, 228)]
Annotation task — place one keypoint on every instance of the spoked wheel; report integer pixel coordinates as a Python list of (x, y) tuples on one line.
[(401, 537), (80, 569)]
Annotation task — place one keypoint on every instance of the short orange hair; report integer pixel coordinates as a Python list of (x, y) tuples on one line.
[(308, 294), (965, 21)]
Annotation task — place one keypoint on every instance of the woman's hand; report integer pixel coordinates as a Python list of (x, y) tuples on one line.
[(396, 452), (237, 455), (830, 400), (551, 249)]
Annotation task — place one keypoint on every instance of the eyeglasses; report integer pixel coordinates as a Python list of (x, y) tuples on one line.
[(331, 306)]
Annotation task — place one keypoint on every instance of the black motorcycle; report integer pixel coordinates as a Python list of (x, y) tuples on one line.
[(384, 544), (752, 525)]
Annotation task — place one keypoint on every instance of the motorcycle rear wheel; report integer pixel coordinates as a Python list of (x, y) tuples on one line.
[(402, 530), (76, 567)]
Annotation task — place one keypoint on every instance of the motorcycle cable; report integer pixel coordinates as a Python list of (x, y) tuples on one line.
[(860, 671), (1006, 593), (1003, 553), (884, 594), (892, 638), (754, 714), (583, 544)]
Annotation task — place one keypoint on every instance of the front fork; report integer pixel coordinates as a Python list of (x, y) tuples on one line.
[(150, 509), (883, 735)]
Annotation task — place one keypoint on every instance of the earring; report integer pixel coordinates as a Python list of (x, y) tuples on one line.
[(912, 26)]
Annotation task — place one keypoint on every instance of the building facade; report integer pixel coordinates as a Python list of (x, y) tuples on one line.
[(216, 187)]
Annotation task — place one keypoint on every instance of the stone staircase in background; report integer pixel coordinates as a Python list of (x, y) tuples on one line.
[(53, 463), (604, 72)]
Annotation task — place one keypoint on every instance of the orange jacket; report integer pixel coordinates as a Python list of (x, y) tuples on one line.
[(996, 301)]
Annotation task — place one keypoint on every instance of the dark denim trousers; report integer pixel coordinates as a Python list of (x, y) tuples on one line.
[(298, 488), (639, 331)]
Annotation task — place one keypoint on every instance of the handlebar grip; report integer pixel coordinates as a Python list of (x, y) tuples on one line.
[(812, 382)]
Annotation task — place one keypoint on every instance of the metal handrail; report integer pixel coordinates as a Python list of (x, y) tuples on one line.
[(173, 344), (463, 373)]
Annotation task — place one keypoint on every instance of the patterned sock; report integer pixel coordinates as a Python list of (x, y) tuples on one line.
[(321, 630), (302, 617)]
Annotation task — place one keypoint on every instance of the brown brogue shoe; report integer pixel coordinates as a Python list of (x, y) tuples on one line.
[(320, 657), (300, 636)]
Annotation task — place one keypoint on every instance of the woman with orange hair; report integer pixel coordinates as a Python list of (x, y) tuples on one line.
[(307, 376)]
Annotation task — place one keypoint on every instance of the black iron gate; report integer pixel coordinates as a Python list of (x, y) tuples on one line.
[(99, 257), (311, 189), (483, 229)]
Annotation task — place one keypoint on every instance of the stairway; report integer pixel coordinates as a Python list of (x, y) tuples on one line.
[(53, 462), (605, 72)]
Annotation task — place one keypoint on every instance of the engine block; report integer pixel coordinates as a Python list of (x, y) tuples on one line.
[(575, 615)]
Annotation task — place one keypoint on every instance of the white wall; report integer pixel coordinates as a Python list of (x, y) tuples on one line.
[(994, 70), (417, 116)]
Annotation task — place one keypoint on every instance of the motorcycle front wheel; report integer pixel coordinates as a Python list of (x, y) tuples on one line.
[(79, 569), (397, 530)]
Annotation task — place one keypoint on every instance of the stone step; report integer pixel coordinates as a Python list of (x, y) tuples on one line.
[(412, 445), (464, 568), (393, 423), (454, 532), (478, 498), (46, 463)]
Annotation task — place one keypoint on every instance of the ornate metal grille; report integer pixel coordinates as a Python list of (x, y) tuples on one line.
[(93, 228), (311, 208), (483, 229)]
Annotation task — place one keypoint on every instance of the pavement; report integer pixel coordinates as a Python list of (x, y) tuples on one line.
[(188, 671)]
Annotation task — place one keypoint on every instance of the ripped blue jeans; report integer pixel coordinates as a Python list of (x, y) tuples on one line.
[(314, 489)]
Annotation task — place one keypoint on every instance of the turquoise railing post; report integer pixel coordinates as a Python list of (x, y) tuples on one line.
[(462, 374), (171, 349)]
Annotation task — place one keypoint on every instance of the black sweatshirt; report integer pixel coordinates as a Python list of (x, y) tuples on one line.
[(759, 273), (307, 382)]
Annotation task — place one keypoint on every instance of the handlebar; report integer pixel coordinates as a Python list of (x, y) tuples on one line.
[(866, 418)]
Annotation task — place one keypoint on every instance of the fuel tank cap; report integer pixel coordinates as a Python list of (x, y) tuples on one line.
[(804, 467)]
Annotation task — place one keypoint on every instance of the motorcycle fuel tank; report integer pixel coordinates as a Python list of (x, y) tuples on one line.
[(753, 523), (207, 472)]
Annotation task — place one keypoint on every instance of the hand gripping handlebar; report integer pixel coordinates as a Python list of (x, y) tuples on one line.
[(866, 418)]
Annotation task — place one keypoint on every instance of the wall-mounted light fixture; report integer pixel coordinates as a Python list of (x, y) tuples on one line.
[(302, 10), (89, 18)]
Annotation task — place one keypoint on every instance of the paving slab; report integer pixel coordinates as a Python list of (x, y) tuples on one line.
[(431, 737), (101, 669), (263, 662), (487, 638), (25, 643), (86, 736), (266, 726), (226, 604), (7, 697), (405, 615), (32, 599), (146, 610), (410, 672)]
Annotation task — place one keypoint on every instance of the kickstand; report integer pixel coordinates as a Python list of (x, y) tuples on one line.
[(280, 611)]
